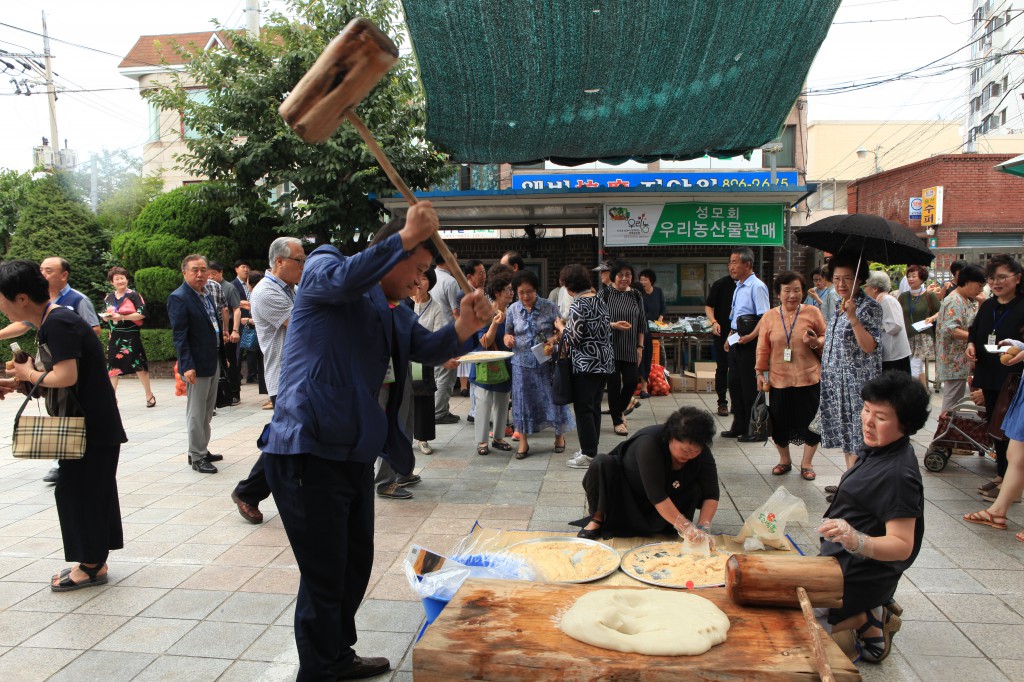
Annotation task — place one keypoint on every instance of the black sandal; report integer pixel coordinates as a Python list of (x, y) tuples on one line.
[(151, 401), (481, 449), (593, 533), (66, 584), (523, 454), (501, 445), (877, 649)]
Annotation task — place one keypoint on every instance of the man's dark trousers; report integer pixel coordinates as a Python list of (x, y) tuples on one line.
[(327, 511), (229, 356), (742, 384), (254, 488), (721, 367)]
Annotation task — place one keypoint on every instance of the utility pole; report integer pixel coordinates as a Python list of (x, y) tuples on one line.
[(252, 18), (93, 192), (51, 94)]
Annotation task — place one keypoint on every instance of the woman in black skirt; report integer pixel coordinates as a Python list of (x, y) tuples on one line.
[(875, 525), (76, 378), (655, 481)]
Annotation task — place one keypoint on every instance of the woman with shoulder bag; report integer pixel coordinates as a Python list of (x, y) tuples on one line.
[(86, 492), (587, 331), (1000, 317)]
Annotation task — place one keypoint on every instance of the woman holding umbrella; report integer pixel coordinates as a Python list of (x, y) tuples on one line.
[(850, 356)]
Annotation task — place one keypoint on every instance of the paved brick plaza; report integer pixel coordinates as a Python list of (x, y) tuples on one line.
[(199, 594)]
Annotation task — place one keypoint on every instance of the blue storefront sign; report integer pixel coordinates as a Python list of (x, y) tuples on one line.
[(678, 180)]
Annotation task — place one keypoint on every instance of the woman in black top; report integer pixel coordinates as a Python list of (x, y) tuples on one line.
[(654, 308), (655, 481), (1000, 317), (86, 492), (875, 525), (629, 327)]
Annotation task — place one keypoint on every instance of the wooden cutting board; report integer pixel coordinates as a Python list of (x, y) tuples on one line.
[(507, 630)]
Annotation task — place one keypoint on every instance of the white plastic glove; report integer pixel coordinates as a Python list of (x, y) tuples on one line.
[(852, 540)]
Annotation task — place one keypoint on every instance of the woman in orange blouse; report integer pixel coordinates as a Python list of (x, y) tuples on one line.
[(789, 364)]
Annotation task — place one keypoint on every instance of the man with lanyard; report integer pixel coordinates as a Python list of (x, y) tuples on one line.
[(272, 299), (56, 270), (230, 334), (345, 366), (749, 302), (195, 328)]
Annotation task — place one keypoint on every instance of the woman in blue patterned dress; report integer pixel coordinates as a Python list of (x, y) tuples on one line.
[(531, 321), (850, 358)]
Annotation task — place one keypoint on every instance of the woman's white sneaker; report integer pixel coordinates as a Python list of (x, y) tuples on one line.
[(579, 461)]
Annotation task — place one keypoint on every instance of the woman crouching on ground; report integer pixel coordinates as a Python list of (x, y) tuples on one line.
[(875, 525)]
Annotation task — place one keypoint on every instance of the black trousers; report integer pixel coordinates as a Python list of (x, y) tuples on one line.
[(621, 386), (327, 511), (87, 504), (587, 391), (254, 488), (742, 383), (721, 367), (1001, 446), (903, 365), (229, 356)]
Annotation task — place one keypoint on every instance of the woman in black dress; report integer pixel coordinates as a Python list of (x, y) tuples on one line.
[(875, 524), (76, 378), (125, 312), (629, 328), (655, 481)]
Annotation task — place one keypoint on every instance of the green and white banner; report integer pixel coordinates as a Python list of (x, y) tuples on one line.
[(693, 223)]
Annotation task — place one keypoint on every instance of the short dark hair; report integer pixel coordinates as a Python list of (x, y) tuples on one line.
[(525, 277), (787, 277), (1004, 260), (395, 226), (470, 267), (956, 266), (907, 396), (242, 261), (215, 265), (254, 278), (968, 274), (515, 261), (690, 423), (23, 277), (116, 270), (497, 281), (649, 274), (849, 260), (191, 257), (921, 271), (745, 253), (618, 265), (499, 267), (577, 278), (65, 266), (817, 271), (431, 276)]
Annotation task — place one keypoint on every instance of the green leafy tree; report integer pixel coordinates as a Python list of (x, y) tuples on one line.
[(120, 209), (54, 221), (13, 186), (237, 136), (115, 171)]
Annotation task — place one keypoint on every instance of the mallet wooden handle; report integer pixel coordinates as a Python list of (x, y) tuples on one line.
[(396, 179), (815, 630)]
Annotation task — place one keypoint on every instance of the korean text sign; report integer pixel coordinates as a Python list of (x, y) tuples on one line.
[(694, 223)]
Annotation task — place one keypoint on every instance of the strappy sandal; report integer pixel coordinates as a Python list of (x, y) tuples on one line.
[(482, 449), (986, 518), (780, 469), (523, 454), (620, 429), (501, 445), (66, 584), (151, 401), (877, 649), (984, 487), (559, 449), (808, 473)]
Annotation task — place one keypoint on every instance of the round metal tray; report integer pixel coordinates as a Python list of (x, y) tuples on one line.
[(633, 566), (572, 546)]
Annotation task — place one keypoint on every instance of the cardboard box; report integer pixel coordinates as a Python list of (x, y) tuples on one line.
[(701, 381), (680, 384)]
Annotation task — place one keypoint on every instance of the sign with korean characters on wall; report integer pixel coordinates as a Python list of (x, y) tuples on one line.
[(693, 223), (931, 206)]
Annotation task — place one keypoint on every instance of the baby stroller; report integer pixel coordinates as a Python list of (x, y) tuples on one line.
[(963, 428)]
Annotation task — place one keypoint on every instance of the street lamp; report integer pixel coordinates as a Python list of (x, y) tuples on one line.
[(862, 153)]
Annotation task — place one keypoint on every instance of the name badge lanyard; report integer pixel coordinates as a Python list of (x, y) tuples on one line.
[(284, 287), (787, 355), (995, 325)]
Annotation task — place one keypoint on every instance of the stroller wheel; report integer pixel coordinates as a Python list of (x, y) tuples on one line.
[(935, 460)]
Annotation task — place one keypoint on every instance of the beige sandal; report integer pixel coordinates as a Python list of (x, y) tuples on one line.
[(621, 430), (986, 518)]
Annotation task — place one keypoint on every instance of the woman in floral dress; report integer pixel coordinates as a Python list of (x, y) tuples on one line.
[(125, 312), (952, 366), (850, 358)]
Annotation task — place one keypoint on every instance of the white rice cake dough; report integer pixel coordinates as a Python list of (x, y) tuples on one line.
[(650, 622)]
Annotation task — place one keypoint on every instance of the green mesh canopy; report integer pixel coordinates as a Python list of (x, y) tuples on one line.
[(582, 80)]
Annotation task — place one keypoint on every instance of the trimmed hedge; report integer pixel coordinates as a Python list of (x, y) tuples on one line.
[(158, 343)]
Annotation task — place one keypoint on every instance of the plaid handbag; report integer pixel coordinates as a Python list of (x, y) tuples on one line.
[(39, 437)]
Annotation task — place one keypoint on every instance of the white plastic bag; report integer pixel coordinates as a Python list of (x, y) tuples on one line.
[(766, 526)]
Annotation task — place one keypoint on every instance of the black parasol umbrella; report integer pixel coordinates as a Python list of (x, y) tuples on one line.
[(872, 236)]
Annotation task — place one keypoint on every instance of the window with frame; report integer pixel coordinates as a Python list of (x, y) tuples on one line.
[(200, 96), (786, 158)]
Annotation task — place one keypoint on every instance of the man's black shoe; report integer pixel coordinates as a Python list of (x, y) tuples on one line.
[(447, 419), (471, 419), (235, 401), (52, 475), (214, 458), (750, 439), (730, 434), (394, 492), (203, 466), (366, 667), (411, 479)]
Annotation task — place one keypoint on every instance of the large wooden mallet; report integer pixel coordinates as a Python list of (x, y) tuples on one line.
[(342, 76)]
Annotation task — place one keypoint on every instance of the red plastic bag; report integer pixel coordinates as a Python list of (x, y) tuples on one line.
[(179, 383), (657, 384)]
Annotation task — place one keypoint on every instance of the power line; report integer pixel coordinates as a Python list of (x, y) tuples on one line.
[(925, 16)]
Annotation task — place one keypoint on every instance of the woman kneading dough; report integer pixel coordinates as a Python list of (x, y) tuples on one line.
[(655, 481)]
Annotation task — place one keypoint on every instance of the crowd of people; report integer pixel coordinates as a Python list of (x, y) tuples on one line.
[(842, 363)]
